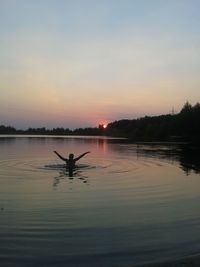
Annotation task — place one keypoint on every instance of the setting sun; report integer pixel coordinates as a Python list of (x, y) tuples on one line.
[(103, 125)]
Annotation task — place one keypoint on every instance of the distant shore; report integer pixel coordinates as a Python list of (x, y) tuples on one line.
[(180, 127), (190, 261)]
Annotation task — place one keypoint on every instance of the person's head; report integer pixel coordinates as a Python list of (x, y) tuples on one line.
[(71, 156)]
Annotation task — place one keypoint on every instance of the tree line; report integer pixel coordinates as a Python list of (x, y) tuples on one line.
[(182, 126), (55, 131)]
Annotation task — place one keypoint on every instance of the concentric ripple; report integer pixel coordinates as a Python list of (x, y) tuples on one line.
[(122, 206)]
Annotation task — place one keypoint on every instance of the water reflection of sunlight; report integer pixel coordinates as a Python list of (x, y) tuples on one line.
[(102, 145)]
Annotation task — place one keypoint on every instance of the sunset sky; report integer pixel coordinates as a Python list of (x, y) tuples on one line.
[(78, 63)]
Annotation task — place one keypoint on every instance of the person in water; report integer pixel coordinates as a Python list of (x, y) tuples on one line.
[(71, 161)]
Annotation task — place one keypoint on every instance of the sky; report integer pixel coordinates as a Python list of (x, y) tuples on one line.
[(79, 63)]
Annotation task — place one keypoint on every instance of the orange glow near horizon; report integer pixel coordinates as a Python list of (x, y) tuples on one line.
[(73, 80), (103, 124)]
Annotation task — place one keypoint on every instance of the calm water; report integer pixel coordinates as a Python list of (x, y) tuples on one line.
[(125, 204)]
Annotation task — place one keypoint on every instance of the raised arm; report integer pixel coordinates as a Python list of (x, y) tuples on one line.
[(82, 155), (60, 156)]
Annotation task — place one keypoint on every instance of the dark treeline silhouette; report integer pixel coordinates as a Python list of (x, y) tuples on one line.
[(184, 126), (7, 130), (54, 131)]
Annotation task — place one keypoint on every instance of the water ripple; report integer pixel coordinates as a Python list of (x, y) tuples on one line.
[(117, 209)]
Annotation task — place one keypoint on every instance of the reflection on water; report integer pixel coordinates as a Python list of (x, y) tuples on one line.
[(187, 156), (77, 173), (124, 204), (190, 160), (63, 175)]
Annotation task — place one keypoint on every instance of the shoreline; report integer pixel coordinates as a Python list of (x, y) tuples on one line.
[(187, 261)]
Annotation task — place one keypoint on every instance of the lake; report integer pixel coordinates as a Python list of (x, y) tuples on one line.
[(125, 204)]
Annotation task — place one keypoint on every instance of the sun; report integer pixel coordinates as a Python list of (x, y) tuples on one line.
[(103, 125)]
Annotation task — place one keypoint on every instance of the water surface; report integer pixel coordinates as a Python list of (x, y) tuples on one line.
[(125, 204)]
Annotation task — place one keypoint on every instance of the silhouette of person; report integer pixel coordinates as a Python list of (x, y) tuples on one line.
[(71, 161)]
